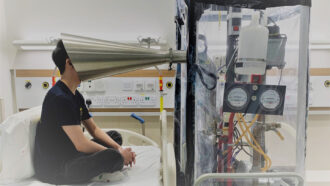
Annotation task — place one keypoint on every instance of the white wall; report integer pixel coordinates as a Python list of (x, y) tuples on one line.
[(33, 60), (320, 26), (320, 32), (112, 20), (5, 82), (123, 20)]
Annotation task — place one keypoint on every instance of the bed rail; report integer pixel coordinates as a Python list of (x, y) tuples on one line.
[(168, 156), (249, 176), (130, 138)]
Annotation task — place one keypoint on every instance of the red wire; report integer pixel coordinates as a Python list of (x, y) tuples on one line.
[(230, 147), (160, 83), (53, 81), (220, 144), (220, 161)]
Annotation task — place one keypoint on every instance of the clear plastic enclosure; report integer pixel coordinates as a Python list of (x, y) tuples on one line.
[(251, 103)]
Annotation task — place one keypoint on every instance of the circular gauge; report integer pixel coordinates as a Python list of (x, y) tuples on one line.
[(270, 99), (237, 98)]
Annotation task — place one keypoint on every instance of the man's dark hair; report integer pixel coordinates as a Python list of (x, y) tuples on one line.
[(59, 56)]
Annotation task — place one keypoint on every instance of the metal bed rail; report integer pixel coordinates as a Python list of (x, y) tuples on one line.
[(249, 176)]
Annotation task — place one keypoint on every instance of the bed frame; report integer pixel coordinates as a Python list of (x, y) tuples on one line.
[(130, 138)]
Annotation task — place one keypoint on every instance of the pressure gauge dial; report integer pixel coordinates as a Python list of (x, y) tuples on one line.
[(270, 99), (237, 98)]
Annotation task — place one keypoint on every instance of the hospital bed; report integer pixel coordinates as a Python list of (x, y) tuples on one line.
[(154, 165)]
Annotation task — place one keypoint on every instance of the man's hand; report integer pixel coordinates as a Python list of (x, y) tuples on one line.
[(128, 154), (133, 158)]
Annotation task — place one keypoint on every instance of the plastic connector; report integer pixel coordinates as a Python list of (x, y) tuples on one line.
[(141, 120)]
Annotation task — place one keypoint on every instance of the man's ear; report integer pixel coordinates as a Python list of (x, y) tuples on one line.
[(67, 61)]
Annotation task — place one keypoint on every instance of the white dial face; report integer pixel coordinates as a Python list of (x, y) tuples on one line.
[(237, 97), (270, 99)]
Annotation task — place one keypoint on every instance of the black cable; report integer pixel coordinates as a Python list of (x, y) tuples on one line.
[(170, 67), (279, 81), (240, 144), (247, 153), (232, 59), (200, 70), (269, 18), (221, 67)]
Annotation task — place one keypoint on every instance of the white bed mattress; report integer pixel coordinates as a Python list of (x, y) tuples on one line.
[(146, 172)]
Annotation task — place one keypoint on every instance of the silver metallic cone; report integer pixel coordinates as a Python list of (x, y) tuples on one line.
[(94, 58)]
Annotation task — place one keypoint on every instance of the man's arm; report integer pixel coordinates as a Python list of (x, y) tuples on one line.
[(78, 139), (99, 134), (82, 144)]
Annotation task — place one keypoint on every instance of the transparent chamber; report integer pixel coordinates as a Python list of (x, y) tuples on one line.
[(251, 95)]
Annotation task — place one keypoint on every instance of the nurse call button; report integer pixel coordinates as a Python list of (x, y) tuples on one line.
[(45, 85), (169, 84)]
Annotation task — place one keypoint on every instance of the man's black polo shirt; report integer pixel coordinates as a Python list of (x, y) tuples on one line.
[(52, 146)]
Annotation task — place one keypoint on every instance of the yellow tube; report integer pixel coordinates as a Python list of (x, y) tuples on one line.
[(219, 16), (161, 99), (161, 103), (279, 135), (264, 169), (247, 128), (257, 145)]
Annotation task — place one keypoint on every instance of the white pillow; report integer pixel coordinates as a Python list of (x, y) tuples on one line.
[(17, 134)]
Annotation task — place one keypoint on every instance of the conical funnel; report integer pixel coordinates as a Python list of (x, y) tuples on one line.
[(94, 58)]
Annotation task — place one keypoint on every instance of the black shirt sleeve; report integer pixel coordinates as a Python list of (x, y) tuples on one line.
[(85, 112), (66, 113)]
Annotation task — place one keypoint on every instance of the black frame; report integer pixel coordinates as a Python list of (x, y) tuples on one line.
[(254, 106), (195, 10)]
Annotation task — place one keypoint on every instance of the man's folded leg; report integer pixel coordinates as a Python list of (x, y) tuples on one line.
[(87, 166)]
